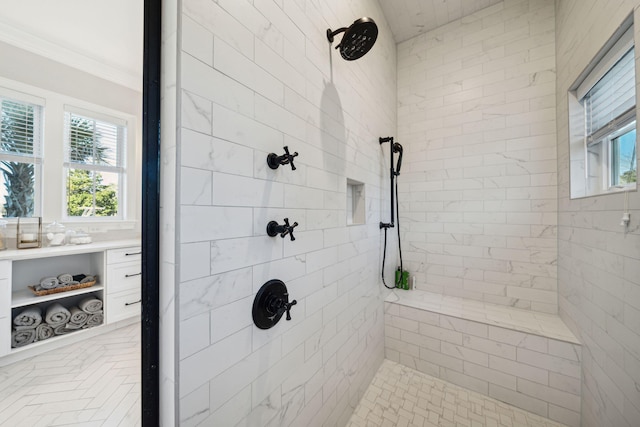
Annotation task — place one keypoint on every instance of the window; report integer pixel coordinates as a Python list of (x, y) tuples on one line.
[(20, 158), (94, 164), (603, 121)]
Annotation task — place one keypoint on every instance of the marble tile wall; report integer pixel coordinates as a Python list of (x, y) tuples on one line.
[(599, 263), (254, 77), (476, 116)]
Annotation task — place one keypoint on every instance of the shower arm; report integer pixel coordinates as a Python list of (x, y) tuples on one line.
[(332, 34), (392, 175)]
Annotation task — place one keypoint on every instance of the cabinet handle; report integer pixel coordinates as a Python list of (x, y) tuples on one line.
[(135, 302), (132, 275), (133, 253)]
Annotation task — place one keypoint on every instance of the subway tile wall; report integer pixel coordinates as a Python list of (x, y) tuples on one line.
[(599, 263), (477, 118), (253, 77)]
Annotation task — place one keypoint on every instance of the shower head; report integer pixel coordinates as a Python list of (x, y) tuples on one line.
[(357, 40)]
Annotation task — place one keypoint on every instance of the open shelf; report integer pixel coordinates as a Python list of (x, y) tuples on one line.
[(25, 297)]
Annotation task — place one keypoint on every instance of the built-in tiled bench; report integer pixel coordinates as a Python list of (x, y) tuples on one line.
[(527, 359)]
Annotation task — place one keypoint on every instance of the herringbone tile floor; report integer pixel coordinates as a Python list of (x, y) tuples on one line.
[(91, 383)]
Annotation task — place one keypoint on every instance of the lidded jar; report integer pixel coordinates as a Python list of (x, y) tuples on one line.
[(55, 234)]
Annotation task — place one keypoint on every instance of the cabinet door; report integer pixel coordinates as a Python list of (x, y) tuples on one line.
[(5, 335), (133, 253), (5, 298), (5, 269), (123, 277)]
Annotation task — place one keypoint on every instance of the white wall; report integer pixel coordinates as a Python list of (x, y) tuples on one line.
[(599, 264), (477, 118), (253, 78)]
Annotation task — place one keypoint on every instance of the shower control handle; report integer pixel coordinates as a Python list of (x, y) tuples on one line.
[(274, 161), (273, 229)]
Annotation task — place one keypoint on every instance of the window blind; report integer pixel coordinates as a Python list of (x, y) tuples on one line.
[(93, 142), (21, 130), (611, 97)]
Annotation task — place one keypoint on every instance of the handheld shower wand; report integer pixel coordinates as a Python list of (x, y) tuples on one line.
[(394, 147), (397, 148)]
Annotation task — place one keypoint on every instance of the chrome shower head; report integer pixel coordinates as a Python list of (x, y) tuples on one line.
[(357, 40)]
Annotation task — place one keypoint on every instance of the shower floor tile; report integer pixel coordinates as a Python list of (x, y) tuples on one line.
[(399, 396)]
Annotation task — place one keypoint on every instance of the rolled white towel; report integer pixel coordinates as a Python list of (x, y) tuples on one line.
[(23, 337), (29, 317), (49, 283), (78, 317), (90, 305), (88, 279), (43, 332), (57, 315), (95, 320), (62, 330), (65, 278)]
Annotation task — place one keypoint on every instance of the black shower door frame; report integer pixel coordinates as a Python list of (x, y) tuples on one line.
[(150, 325)]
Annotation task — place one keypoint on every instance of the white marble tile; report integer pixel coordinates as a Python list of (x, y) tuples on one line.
[(197, 41), (196, 112), (197, 369), (195, 260), (230, 190), (204, 152), (195, 187), (205, 223), (208, 293), (195, 335), (230, 318)]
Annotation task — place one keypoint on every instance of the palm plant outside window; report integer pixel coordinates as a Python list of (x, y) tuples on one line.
[(20, 158)]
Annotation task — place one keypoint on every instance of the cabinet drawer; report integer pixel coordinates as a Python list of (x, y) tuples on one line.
[(5, 298), (122, 305), (133, 253), (123, 277)]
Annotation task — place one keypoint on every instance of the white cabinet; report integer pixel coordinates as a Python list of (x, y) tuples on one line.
[(124, 269), (117, 266)]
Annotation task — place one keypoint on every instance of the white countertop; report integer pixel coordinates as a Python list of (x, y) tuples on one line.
[(20, 254)]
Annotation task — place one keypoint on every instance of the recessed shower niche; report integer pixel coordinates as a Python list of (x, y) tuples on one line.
[(355, 202)]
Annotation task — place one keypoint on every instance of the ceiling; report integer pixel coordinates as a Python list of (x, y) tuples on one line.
[(101, 37), (409, 18), (105, 37)]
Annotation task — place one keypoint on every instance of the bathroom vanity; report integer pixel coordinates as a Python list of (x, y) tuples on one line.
[(116, 264)]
